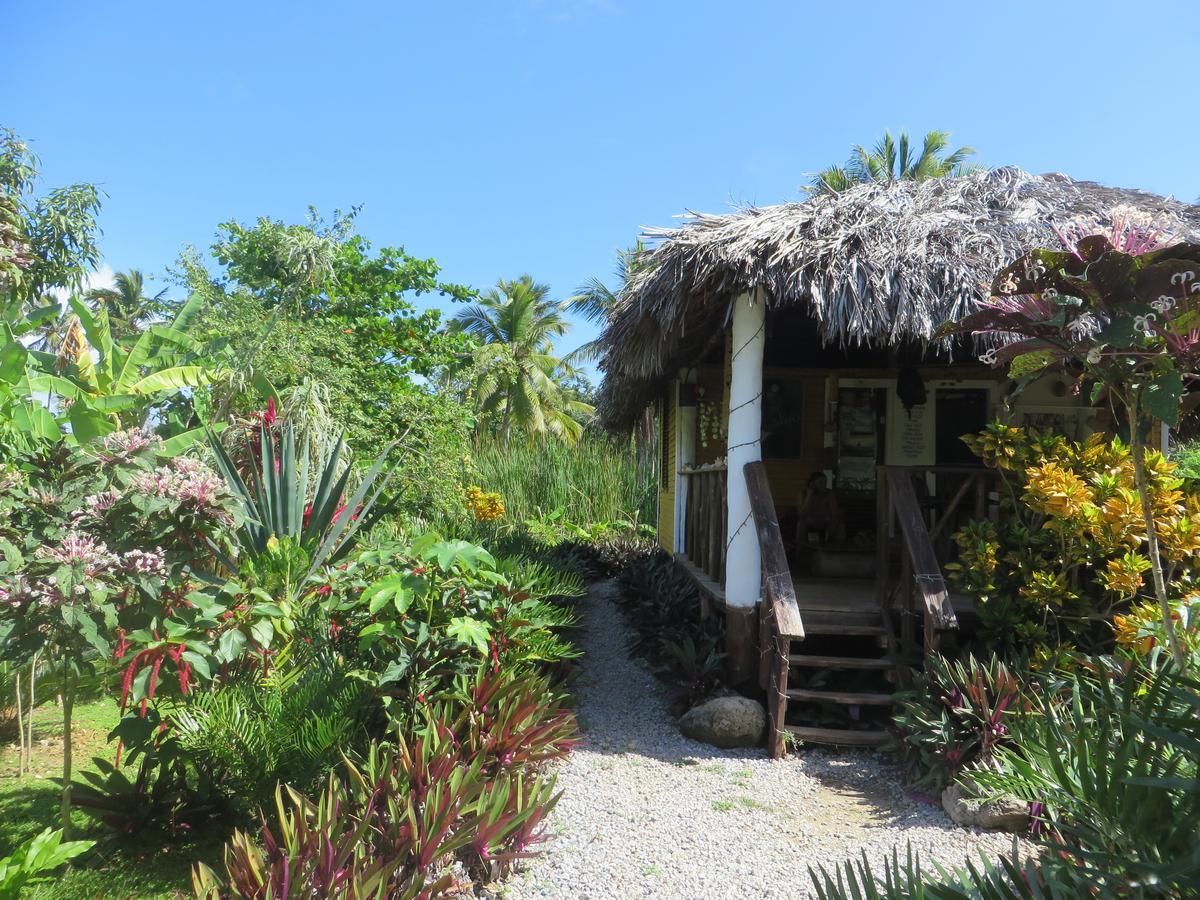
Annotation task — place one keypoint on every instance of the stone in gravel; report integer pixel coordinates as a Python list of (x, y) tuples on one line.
[(1003, 814), (726, 722)]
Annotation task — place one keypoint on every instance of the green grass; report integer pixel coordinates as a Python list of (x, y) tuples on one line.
[(597, 480), (122, 869)]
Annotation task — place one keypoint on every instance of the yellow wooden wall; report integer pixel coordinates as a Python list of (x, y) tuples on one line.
[(787, 477), (666, 493)]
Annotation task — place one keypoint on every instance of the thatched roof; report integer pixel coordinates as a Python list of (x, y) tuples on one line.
[(878, 263)]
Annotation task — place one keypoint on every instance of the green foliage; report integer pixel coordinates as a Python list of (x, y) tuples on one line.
[(1111, 756), (461, 790), (1107, 755), (313, 304), (663, 606), (34, 860), (128, 309), (896, 879), (955, 715), (696, 663), (297, 516), (594, 300), (517, 381), (45, 242), (428, 615), (96, 385), (596, 481), (1069, 548), (894, 160), (291, 727), (1186, 457), (1118, 312)]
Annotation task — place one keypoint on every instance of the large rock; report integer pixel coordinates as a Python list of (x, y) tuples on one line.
[(726, 722), (1002, 814)]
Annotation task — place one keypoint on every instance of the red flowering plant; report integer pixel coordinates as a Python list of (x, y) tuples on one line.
[(1118, 312)]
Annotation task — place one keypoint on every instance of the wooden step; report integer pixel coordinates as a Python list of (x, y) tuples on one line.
[(848, 698), (848, 629), (839, 662), (844, 737)]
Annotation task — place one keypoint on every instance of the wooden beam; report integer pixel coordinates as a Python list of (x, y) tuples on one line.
[(778, 587)]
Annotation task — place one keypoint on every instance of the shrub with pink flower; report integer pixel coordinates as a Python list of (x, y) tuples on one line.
[(81, 550), (127, 443), (186, 481)]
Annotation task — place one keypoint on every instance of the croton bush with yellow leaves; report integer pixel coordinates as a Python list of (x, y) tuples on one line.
[(1068, 557)]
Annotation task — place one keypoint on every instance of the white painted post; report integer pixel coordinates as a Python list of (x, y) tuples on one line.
[(685, 455), (743, 558)]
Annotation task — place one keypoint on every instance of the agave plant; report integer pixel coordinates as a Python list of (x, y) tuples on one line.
[(283, 526)]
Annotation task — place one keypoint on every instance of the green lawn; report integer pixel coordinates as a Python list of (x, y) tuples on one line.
[(30, 803)]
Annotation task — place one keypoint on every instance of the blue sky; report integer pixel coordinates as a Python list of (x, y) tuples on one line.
[(540, 135)]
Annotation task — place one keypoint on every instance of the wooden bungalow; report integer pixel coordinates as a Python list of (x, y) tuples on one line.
[(779, 342)]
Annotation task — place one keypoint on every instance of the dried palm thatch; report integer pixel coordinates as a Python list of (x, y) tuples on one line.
[(875, 264)]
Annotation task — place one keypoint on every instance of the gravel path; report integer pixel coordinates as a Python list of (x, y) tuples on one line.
[(646, 812)]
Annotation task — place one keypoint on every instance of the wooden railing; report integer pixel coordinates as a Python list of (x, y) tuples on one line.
[(779, 619), (705, 525), (921, 523)]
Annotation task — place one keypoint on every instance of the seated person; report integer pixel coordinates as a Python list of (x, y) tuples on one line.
[(819, 513)]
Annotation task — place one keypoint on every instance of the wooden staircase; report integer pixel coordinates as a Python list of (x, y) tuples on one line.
[(847, 640)]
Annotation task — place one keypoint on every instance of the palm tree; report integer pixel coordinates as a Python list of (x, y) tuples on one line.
[(127, 304), (517, 377), (895, 160), (594, 299)]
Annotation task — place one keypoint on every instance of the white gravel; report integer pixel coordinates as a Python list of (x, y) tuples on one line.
[(646, 812)]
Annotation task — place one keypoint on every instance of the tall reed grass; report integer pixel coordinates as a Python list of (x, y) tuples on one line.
[(599, 480)]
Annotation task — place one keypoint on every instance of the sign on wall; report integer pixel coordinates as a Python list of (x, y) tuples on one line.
[(911, 435)]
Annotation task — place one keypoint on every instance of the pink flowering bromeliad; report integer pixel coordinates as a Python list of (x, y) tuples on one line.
[(1120, 313)]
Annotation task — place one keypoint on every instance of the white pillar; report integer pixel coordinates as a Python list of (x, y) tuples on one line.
[(685, 453), (743, 561)]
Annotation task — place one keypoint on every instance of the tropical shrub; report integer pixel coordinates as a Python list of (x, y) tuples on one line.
[(1117, 313), (291, 726), (1110, 754), (34, 860), (120, 533), (416, 619), (464, 789), (663, 606), (1069, 549), (894, 879), (955, 715), (1107, 755)]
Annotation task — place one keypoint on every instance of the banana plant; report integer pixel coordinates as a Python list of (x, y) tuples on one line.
[(103, 380)]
